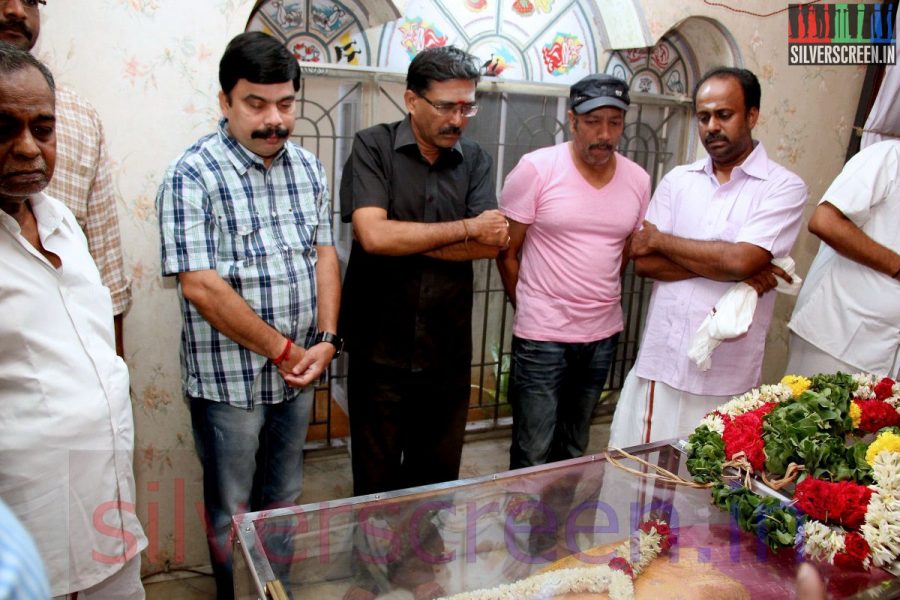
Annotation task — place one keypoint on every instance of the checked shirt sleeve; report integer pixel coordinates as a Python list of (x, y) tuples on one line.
[(325, 231), (188, 235)]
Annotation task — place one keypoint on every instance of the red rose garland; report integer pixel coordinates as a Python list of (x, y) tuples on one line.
[(842, 502), (876, 414), (743, 433), (884, 389), (856, 551)]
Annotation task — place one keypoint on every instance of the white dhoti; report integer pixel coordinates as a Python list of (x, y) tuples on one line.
[(650, 411)]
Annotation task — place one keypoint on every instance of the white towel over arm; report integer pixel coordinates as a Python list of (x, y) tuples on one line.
[(733, 314)]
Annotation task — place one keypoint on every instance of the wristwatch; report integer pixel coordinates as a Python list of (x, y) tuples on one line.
[(333, 339)]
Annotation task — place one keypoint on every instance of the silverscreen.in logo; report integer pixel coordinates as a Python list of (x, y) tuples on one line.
[(841, 34)]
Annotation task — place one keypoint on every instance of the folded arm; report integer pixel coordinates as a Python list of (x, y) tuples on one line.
[(380, 235), (717, 260)]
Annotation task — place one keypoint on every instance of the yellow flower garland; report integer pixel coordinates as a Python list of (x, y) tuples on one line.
[(797, 383), (855, 414), (885, 442)]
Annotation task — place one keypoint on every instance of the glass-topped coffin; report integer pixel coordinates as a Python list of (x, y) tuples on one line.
[(479, 533)]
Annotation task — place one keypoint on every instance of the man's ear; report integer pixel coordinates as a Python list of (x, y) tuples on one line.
[(224, 103), (752, 117), (408, 98)]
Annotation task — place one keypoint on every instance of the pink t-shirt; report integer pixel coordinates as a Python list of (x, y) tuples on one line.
[(569, 287)]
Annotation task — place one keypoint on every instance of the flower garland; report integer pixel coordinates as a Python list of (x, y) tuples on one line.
[(616, 577), (846, 506)]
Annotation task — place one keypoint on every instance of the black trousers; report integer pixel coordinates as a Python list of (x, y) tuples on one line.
[(406, 427)]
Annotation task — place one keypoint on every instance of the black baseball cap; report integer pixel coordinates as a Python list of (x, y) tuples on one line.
[(598, 90)]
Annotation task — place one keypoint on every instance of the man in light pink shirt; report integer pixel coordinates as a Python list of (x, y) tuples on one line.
[(571, 209), (710, 223)]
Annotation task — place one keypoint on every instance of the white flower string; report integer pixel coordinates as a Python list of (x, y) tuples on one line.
[(881, 529), (714, 423), (820, 541), (582, 580), (754, 399), (865, 384)]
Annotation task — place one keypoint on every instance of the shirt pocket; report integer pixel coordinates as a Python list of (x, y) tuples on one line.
[(241, 237), (296, 229)]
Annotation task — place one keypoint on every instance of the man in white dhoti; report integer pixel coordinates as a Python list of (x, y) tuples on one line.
[(711, 223)]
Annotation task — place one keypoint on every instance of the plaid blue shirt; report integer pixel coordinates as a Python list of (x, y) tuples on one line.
[(22, 575), (220, 208)]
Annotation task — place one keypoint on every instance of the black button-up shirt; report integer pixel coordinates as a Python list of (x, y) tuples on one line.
[(412, 312)]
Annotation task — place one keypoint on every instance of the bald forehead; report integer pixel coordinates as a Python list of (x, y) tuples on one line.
[(724, 87)]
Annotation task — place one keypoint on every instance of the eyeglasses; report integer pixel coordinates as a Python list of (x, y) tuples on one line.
[(466, 109)]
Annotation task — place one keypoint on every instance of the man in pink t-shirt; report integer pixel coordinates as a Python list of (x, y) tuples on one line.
[(571, 209)]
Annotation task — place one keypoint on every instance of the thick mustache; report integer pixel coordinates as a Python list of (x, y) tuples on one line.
[(450, 129), (601, 146), (715, 137), (18, 26), (279, 132)]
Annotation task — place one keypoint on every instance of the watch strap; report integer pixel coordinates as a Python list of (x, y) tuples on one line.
[(331, 338)]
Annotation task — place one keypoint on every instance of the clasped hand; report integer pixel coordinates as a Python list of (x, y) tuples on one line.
[(303, 367), (489, 228), (642, 240)]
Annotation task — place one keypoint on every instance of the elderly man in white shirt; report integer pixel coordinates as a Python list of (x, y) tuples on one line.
[(68, 435), (847, 317)]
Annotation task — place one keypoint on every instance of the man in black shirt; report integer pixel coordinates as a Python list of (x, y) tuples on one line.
[(422, 202)]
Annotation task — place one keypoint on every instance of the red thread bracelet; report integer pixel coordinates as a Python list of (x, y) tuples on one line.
[(284, 353)]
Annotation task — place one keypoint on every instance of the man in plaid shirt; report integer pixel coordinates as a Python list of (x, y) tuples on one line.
[(82, 179), (245, 224)]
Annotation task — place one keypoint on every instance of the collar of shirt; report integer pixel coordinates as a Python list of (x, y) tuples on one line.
[(243, 159), (406, 139), (755, 165), (48, 217)]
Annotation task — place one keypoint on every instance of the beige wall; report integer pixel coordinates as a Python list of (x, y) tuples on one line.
[(149, 67)]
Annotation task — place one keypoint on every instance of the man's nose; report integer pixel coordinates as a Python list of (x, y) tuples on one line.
[(272, 116), (13, 8), (603, 132), (457, 118), (26, 146)]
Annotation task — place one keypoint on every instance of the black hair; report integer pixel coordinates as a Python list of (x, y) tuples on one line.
[(749, 83), (440, 64), (258, 58), (14, 59)]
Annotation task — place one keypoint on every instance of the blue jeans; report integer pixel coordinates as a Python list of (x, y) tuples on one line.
[(252, 460), (553, 389)]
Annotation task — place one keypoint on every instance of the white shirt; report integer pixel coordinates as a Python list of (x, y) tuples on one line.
[(848, 310), (762, 205), (68, 434)]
